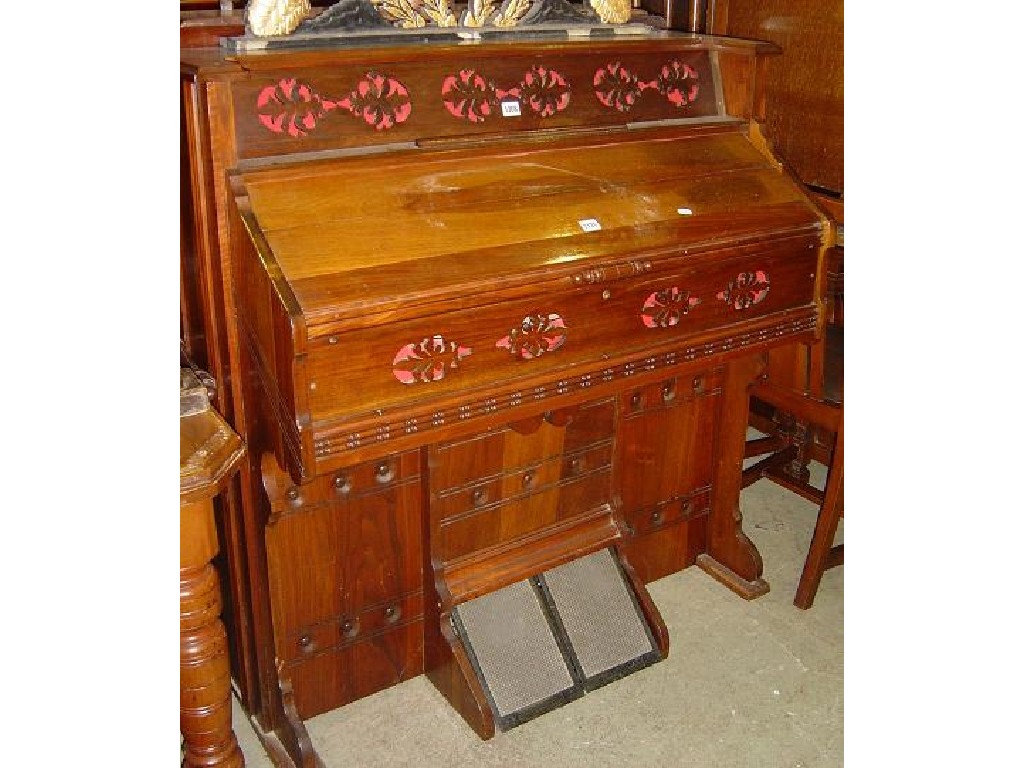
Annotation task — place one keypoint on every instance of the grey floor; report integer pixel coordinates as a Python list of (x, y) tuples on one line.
[(746, 685)]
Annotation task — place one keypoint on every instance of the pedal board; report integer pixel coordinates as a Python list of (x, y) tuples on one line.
[(542, 642)]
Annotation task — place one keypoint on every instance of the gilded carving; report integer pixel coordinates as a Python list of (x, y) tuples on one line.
[(511, 13), (270, 18), (477, 13), (265, 18), (612, 11)]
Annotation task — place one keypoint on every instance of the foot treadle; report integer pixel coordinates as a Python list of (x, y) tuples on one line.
[(542, 642)]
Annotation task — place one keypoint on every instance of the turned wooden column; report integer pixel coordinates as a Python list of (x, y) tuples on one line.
[(210, 453)]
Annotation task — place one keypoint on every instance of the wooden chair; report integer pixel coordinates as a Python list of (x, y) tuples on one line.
[(827, 416), (798, 408)]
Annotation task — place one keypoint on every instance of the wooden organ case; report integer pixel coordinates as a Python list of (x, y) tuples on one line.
[(487, 306)]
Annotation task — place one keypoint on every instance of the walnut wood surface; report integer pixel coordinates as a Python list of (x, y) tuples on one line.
[(378, 495)]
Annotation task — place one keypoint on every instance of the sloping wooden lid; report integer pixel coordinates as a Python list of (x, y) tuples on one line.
[(378, 234)]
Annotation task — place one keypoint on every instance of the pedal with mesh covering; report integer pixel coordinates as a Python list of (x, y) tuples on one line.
[(542, 642)]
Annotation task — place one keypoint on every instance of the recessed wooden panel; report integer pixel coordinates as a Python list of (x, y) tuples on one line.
[(666, 550), (663, 444), (335, 678), (502, 523), (333, 558)]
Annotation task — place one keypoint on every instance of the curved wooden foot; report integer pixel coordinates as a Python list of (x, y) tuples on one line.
[(745, 588), (291, 730)]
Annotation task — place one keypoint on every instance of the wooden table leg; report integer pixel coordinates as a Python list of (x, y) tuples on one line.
[(205, 668), (731, 557)]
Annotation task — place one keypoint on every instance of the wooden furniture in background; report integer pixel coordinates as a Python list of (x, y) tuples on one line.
[(828, 416), (464, 345), (803, 87), (210, 453)]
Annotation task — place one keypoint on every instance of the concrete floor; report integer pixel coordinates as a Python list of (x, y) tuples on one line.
[(746, 685)]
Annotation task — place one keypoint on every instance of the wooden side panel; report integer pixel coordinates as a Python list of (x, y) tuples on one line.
[(344, 543), (337, 677), (738, 70), (664, 466)]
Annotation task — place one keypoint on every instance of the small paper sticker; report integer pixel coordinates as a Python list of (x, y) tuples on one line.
[(590, 225), (510, 109), (684, 211)]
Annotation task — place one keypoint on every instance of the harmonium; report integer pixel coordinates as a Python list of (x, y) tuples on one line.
[(487, 293)]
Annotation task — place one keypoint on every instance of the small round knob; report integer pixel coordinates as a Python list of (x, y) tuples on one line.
[(305, 641), (392, 613), (668, 391), (479, 496), (349, 627), (636, 400), (656, 516), (576, 465), (528, 478), (698, 384), (342, 484), (384, 472), (292, 493)]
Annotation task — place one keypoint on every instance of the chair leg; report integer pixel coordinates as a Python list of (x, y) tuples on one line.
[(820, 553)]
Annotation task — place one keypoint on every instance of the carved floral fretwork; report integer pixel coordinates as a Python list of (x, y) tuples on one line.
[(296, 109), (666, 307), (618, 88), (428, 360), (471, 96), (748, 289), (537, 335)]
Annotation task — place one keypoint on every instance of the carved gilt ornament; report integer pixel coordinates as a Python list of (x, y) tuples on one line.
[(271, 18)]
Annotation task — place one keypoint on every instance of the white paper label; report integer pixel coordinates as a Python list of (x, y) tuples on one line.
[(590, 225), (684, 211), (510, 109)]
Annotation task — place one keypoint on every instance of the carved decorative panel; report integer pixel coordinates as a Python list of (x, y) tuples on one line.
[(748, 289), (666, 307), (428, 360), (296, 109), (471, 96), (535, 336), (618, 88)]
